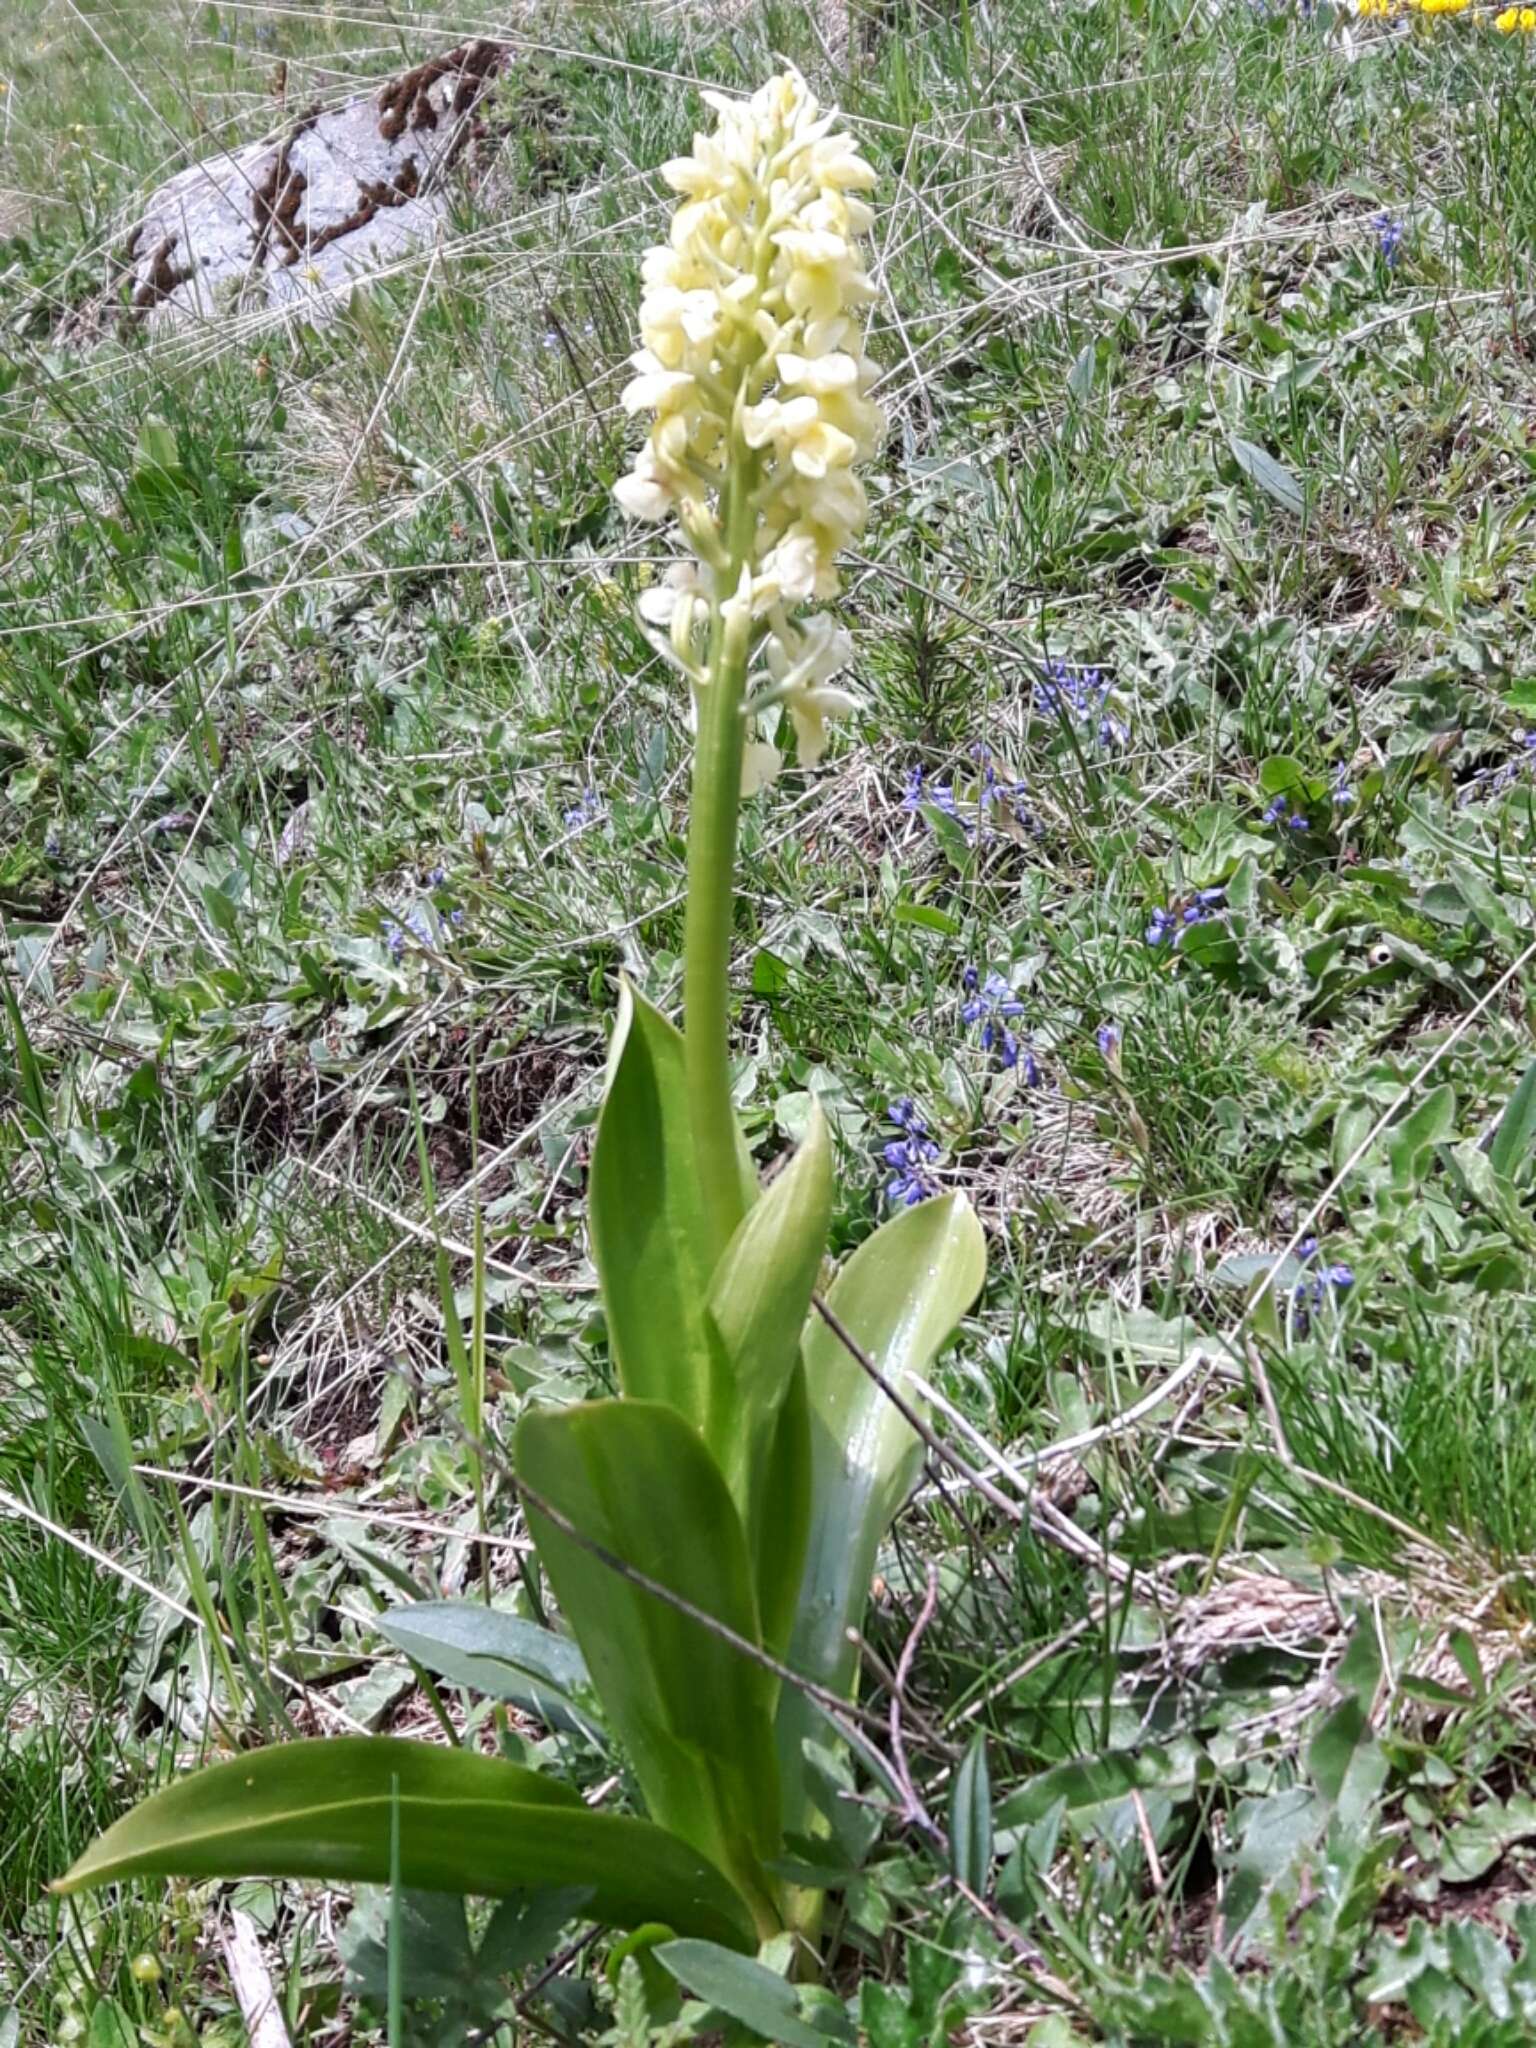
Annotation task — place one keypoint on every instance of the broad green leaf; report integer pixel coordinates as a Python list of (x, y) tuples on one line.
[(1347, 1764), (654, 1245), (694, 1711), (777, 1547), (468, 1823), (1515, 1133), (1271, 1833), (1272, 477), (111, 2027), (1088, 1791), (501, 1655), (970, 1818), (1410, 1142), (900, 1298), (1477, 1843), (747, 1990), (758, 1301)]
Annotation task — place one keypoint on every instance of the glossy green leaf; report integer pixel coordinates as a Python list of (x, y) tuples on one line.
[(778, 1542), (468, 1823), (498, 1654), (970, 1818), (653, 1244), (694, 1711), (900, 1298), (747, 1990), (758, 1302)]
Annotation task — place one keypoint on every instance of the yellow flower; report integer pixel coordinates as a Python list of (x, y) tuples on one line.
[(1507, 22), (754, 373), (1528, 19)]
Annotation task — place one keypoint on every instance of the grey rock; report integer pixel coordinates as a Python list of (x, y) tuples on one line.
[(300, 217)]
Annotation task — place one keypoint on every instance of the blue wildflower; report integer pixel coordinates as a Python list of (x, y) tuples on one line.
[(436, 878), (1171, 922), (1343, 794), (418, 923), (394, 938), (910, 1157), (992, 1004), (1108, 1036), (1080, 696), (993, 790), (1298, 822), (920, 791), (456, 916), (586, 812), (1316, 1287), (1275, 812), (1389, 238)]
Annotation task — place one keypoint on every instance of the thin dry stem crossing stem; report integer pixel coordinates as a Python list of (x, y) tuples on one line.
[(913, 1809)]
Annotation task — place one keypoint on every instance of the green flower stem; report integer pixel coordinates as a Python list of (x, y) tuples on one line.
[(716, 807)]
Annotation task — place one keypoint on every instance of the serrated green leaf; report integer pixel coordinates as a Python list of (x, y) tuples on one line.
[(468, 1823)]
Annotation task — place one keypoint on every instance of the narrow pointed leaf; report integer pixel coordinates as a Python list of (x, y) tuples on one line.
[(1272, 477), (970, 1818), (468, 1823), (778, 1542), (694, 1711), (900, 1298), (652, 1241), (758, 1301)]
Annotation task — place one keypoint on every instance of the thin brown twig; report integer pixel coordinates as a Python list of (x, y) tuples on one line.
[(913, 1808), (1042, 1515)]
